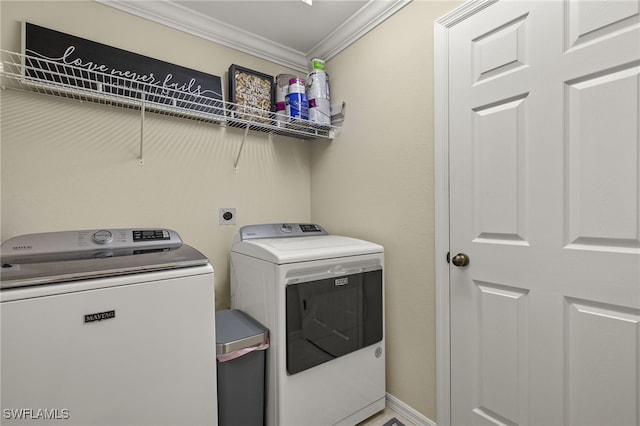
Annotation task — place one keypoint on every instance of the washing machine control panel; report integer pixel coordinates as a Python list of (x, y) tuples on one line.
[(281, 230), (132, 240), (151, 235)]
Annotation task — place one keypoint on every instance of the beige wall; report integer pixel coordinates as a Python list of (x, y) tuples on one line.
[(67, 165), (375, 181)]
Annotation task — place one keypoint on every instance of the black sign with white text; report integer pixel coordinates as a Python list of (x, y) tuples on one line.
[(68, 60)]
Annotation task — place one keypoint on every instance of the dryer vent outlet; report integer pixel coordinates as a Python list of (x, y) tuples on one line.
[(226, 216)]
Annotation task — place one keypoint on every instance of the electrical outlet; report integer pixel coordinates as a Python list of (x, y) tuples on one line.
[(226, 216)]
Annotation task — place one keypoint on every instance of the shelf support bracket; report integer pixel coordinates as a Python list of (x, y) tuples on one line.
[(140, 157), (244, 138)]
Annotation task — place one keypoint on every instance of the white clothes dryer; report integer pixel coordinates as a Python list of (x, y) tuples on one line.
[(322, 298), (107, 327)]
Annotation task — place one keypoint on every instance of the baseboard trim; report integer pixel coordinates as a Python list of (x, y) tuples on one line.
[(407, 412)]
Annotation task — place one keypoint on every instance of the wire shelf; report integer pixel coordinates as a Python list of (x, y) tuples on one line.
[(33, 74)]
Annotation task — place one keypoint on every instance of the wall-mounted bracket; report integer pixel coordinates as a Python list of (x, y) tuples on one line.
[(244, 138), (140, 157), (337, 113)]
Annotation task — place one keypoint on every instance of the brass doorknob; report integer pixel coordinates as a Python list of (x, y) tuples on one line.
[(460, 260)]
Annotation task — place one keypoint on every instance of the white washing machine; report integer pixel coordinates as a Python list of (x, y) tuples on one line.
[(322, 298), (107, 327)]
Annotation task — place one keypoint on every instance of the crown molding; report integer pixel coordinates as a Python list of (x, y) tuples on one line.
[(173, 15), (364, 20)]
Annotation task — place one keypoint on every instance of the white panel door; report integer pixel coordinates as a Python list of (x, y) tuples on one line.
[(544, 152)]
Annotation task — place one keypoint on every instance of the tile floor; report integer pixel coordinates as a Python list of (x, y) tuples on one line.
[(383, 417)]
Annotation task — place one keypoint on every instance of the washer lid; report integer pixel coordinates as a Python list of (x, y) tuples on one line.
[(29, 274), (302, 249)]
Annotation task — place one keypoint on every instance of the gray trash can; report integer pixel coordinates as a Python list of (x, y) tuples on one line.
[(241, 342)]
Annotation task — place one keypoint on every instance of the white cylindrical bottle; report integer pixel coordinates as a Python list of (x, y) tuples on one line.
[(282, 90), (319, 97)]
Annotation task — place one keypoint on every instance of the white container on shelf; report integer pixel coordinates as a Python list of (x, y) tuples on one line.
[(282, 90), (317, 89)]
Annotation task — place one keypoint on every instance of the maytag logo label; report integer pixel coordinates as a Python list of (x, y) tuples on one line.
[(99, 316), (342, 281)]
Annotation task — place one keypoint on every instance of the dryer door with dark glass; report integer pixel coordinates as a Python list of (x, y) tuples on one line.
[(332, 313)]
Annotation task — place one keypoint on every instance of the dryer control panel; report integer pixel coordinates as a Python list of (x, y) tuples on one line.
[(281, 230), (86, 242)]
